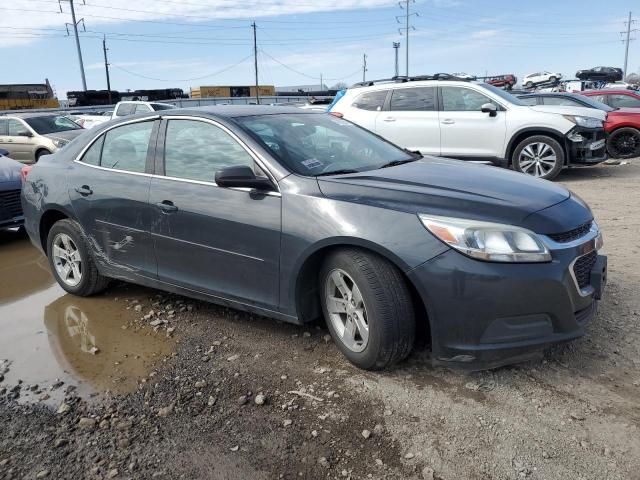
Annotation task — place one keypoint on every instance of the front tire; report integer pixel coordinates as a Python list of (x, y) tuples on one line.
[(368, 308), (528, 85), (539, 156), (624, 143), (41, 153), (71, 260)]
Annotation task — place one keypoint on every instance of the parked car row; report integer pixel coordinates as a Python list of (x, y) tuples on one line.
[(10, 185)]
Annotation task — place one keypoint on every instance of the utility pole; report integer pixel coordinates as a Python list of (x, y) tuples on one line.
[(255, 60), (75, 29), (396, 47), (626, 48), (407, 27), (364, 67), (321, 87), (106, 66)]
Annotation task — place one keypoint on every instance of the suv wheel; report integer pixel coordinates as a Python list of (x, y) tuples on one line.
[(368, 308), (539, 156), (528, 85), (624, 143), (71, 261)]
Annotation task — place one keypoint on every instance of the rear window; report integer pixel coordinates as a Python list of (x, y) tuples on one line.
[(373, 101)]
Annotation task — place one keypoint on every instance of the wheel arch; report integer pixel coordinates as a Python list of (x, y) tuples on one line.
[(48, 219), (304, 286), (520, 135)]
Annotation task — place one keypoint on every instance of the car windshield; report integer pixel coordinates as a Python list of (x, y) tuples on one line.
[(503, 94), (593, 103), (160, 106), (320, 144), (51, 124)]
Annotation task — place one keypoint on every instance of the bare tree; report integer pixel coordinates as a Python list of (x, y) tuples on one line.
[(340, 86), (633, 78)]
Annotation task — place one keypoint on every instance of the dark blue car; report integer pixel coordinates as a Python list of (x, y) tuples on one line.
[(10, 186), (299, 216)]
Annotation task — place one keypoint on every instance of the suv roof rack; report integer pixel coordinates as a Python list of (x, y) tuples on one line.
[(404, 79)]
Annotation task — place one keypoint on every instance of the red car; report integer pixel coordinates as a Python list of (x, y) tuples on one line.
[(616, 98)]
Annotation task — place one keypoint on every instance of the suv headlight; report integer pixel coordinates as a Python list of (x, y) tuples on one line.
[(492, 242), (586, 122), (59, 142)]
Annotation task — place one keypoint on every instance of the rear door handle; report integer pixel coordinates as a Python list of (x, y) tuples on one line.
[(389, 119), (448, 121), (84, 190), (167, 206)]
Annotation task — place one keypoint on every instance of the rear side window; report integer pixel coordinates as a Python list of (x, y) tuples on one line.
[(125, 109), (3, 126), (126, 147), (622, 101), (370, 101), (92, 156), (412, 99)]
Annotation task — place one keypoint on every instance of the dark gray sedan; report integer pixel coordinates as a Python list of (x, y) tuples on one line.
[(298, 216)]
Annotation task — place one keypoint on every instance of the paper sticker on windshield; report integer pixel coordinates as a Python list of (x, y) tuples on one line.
[(312, 163)]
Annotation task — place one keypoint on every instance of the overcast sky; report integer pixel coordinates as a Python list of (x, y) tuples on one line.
[(184, 43)]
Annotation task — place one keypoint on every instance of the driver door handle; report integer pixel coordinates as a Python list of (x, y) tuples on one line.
[(167, 206), (448, 121), (84, 190)]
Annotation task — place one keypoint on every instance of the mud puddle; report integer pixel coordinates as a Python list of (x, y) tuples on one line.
[(52, 341)]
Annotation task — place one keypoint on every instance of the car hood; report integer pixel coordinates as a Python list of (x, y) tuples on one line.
[(66, 135), (439, 186), (571, 110), (9, 170)]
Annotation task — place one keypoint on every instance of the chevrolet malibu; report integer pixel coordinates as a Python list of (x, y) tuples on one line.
[(298, 215)]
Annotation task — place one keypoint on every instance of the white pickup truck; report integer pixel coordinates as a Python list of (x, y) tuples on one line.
[(122, 109)]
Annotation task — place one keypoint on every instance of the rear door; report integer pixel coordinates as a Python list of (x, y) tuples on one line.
[(220, 241), (465, 131), (411, 120), (109, 191), (365, 108)]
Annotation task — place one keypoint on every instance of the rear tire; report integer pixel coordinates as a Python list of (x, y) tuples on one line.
[(552, 79), (539, 156), (381, 301), (624, 143), (83, 278)]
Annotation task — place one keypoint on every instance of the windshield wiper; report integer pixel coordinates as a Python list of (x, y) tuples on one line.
[(399, 162), (337, 172)]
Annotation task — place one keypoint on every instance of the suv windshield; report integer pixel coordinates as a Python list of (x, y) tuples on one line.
[(319, 144), (503, 94), (51, 124)]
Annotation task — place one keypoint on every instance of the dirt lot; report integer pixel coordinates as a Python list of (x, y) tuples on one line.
[(198, 391)]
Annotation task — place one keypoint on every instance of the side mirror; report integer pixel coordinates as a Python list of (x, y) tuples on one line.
[(242, 177), (25, 133), (489, 108)]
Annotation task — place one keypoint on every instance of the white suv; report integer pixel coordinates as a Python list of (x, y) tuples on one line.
[(532, 79), (476, 121)]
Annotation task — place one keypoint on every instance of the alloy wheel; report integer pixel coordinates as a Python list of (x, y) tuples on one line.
[(537, 159), (626, 144), (347, 311), (67, 260)]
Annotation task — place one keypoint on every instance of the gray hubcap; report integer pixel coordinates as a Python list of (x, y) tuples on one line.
[(347, 311), (66, 259), (537, 159)]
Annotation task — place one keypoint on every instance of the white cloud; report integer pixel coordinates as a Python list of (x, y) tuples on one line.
[(485, 34)]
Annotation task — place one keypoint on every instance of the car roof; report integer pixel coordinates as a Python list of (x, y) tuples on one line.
[(233, 111), (33, 114), (548, 94), (611, 91)]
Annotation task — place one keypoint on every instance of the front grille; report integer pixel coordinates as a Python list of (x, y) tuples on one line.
[(571, 235), (10, 205), (582, 268)]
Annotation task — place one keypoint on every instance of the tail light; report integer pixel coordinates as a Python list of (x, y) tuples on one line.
[(336, 114), (24, 172)]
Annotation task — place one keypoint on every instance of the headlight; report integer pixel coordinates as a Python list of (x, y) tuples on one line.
[(493, 242), (586, 122), (59, 142)]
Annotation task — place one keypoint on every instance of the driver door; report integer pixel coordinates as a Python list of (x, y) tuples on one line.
[(18, 140), (224, 242), (465, 131)]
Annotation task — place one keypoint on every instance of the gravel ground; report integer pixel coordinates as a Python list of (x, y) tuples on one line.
[(247, 397)]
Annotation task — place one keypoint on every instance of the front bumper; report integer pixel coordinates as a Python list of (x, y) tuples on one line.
[(484, 315), (586, 146)]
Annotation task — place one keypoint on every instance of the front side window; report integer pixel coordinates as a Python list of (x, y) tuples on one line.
[(126, 147), (16, 127), (531, 101), (456, 99), (373, 101), (52, 124), (562, 101), (412, 99), (314, 144), (196, 150), (623, 101)]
